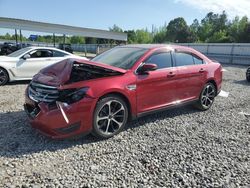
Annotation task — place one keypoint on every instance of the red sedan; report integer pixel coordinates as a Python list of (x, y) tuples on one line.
[(99, 96)]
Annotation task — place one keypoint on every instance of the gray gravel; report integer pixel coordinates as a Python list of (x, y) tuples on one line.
[(177, 148)]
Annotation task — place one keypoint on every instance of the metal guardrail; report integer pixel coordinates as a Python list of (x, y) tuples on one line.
[(228, 53)]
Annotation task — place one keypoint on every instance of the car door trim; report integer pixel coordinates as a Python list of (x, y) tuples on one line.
[(167, 107)]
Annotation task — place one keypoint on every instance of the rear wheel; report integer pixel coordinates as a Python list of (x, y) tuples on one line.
[(207, 97), (4, 77), (110, 117), (248, 78)]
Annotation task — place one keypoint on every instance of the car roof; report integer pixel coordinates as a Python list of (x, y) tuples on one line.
[(47, 48), (172, 47), (151, 46), (159, 46)]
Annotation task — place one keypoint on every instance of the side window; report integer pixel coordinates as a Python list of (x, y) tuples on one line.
[(41, 54), (183, 59), (197, 60), (58, 54), (162, 60)]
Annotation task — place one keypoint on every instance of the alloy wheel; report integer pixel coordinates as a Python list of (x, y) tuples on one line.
[(110, 117), (3, 77), (207, 96)]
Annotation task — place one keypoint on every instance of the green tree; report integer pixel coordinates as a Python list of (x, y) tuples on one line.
[(160, 36), (234, 29), (219, 37), (90, 40), (214, 26), (195, 26), (239, 30), (143, 36), (194, 29), (205, 31), (131, 36), (115, 28), (178, 31), (77, 40)]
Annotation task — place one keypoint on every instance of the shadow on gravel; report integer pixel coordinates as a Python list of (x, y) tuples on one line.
[(17, 138), (24, 82), (158, 116), (242, 82)]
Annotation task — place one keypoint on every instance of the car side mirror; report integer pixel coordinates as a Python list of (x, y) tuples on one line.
[(144, 69), (26, 56)]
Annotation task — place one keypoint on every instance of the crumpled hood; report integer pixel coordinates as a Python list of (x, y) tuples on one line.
[(59, 73), (55, 74)]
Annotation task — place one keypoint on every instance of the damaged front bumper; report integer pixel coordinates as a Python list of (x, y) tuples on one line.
[(60, 120)]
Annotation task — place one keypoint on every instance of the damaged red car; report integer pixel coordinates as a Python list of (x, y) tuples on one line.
[(74, 97)]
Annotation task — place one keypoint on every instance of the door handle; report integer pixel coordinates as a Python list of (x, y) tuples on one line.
[(171, 74), (202, 70)]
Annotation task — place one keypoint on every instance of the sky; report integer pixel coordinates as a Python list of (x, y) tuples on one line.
[(127, 14)]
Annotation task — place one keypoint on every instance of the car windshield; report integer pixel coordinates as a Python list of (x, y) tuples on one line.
[(121, 57), (19, 52)]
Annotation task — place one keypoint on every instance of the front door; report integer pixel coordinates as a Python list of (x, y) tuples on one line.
[(156, 89), (27, 68)]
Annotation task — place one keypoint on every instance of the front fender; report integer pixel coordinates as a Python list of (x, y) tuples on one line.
[(128, 94), (7, 67)]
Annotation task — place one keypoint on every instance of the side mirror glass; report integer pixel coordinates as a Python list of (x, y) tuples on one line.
[(146, 68), (26, 56)]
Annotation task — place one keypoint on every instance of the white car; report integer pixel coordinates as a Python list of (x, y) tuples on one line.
[(26, 62)]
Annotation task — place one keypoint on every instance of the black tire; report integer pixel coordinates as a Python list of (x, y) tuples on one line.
[(4, 77), (110, 117), (248, 78), (207, 97)]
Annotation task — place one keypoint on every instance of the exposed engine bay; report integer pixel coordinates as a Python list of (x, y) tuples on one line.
[(70, 71), (81, 72)]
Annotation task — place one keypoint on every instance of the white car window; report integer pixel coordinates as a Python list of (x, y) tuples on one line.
[(59, 54)]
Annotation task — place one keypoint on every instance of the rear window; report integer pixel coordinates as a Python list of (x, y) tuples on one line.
[(183, 59), (197, 60)]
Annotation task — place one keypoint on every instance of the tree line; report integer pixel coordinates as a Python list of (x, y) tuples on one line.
[(213, 28)]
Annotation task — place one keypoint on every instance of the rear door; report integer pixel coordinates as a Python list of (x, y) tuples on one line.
[(157, 88), (191, 75)]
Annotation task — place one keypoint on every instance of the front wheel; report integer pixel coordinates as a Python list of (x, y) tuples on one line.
[(110, 117), (207, 97), (4, 77)]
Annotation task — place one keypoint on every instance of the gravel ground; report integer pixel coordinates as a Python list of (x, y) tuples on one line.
[(177, 148)]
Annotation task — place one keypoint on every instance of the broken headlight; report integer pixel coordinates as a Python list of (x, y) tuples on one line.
[(70, 96)]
